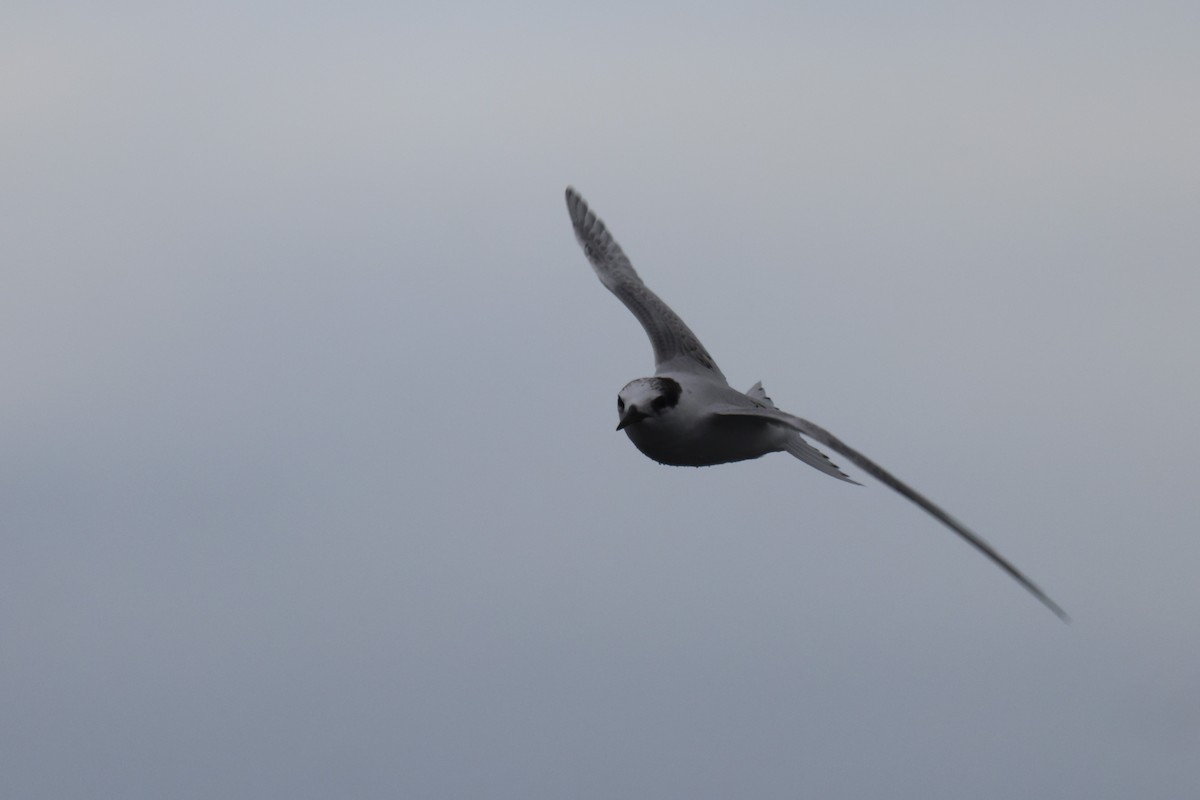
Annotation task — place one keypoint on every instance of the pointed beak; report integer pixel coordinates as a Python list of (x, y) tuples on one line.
[(631, 416)]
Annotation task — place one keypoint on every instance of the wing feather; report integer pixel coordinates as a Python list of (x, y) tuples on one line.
[(675, 346), (819, 434)]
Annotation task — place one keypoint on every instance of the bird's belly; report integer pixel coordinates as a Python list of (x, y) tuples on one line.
[(720, 440)]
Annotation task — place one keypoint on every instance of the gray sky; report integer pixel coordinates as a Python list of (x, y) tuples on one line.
[(310, 487)]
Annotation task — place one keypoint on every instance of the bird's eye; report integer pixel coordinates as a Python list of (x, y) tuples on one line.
[(659, 403), (620, 404)]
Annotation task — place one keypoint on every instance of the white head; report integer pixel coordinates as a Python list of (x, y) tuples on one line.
[(646, 398)]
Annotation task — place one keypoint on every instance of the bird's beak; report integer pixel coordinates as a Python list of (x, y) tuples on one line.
[(631, 416)]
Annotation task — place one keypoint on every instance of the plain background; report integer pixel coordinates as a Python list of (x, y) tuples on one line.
[(309, 484)]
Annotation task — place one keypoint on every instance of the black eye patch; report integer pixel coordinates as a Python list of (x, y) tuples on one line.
[(669, 390)]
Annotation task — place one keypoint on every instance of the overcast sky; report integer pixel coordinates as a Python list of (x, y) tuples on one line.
[(309, 486)]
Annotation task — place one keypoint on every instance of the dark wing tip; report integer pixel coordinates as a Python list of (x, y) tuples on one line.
[(1050, 604), (577, 207), (589, 229)]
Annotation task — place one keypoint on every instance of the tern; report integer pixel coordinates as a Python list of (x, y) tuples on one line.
[(687, 414)]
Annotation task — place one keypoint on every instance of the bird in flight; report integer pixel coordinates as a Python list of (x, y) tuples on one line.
[(687, 414)]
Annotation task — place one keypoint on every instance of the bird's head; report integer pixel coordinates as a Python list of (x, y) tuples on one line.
[(646, 398)]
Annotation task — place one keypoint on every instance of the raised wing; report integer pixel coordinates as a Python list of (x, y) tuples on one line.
[(675, 346), (819, 434)]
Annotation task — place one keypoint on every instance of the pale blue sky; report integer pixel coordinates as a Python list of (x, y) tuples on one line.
[(310, 487)]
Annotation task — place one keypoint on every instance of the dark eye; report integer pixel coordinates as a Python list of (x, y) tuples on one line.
[(659, 403), (620, 404)]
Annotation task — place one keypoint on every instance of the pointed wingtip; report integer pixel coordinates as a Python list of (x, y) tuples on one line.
[(577, 209), (1055, 607), (574, 198), (1029, 585)]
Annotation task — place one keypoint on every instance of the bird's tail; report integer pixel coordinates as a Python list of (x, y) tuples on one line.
[(815, 458), (797, 446)]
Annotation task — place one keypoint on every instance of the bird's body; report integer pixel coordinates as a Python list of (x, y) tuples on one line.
[(689, 436), (687, 414)]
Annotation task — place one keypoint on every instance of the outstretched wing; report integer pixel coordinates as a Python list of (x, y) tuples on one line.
[(819, 434), (675, 346)]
